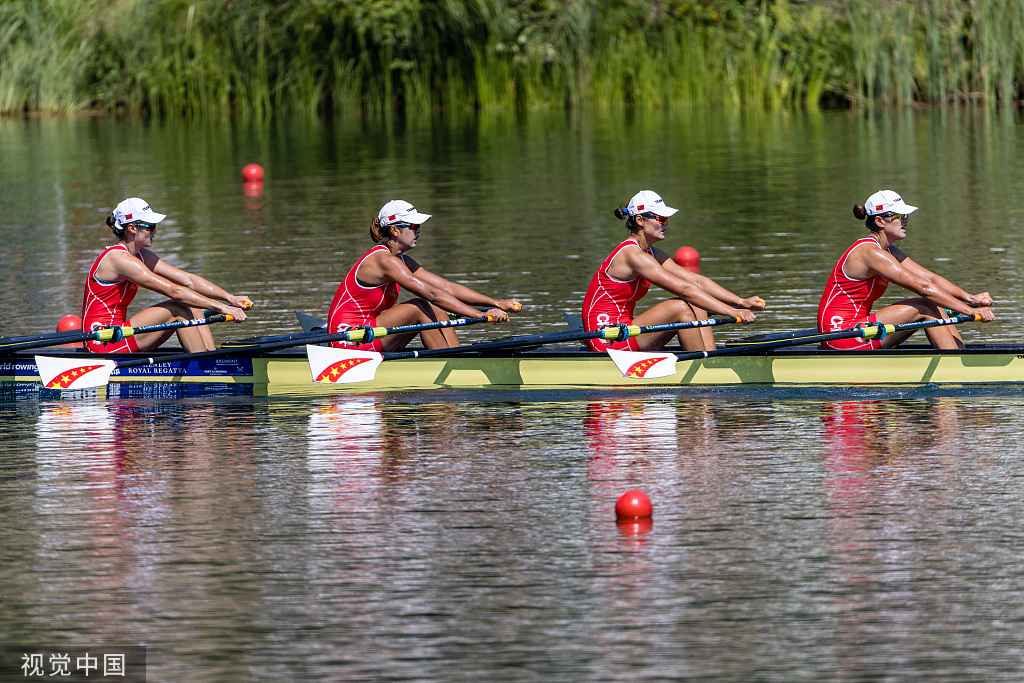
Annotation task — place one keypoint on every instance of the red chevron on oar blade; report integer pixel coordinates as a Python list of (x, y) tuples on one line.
[(333, 372), (68, 377), (640, 368), (639, 365), (341, 366)]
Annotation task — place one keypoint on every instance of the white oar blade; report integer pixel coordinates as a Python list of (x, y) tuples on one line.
[(330, 365), (637, 365), (74, 373)]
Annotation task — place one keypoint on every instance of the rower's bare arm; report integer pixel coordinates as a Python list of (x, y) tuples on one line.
[(465, 294), (133, 269), (751, 303), (884, 264), (433, 288), (974, 300), (197, 284), (647, 266)]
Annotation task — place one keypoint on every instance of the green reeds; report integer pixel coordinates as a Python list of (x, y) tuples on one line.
[(254, 58)]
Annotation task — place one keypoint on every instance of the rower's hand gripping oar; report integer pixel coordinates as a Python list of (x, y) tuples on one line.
[(85, 373), (345, 366), (653, 365), (113, 333)]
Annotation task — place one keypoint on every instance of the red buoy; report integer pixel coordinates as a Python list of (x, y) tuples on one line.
[(633, 504), (688, 258), (69, 323), (252, 172)]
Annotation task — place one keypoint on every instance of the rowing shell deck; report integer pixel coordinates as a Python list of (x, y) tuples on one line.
[(288, 372)]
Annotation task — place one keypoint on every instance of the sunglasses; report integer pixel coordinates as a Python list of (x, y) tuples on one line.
[(899, 216), (400, 226), (146, 226), (661, 219)]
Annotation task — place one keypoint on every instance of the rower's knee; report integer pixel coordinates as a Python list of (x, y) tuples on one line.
[(684, 312), (428, 312)]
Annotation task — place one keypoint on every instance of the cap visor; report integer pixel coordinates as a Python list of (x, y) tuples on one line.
[(415, 217), (901, 207), (664, 211)]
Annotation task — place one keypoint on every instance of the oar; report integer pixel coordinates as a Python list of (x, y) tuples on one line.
[(114, 333), (311, 323), (86, 373), (653, 365), (343, 366), (357, 334)]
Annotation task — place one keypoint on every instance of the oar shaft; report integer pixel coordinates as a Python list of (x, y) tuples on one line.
[(109, 334), (295, 340), (873, 331), (607, 332), (105, 334), (361, 334)]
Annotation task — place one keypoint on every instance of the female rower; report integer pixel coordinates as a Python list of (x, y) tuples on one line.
[(369, 291), (121, 269), (627, 273), (865, 270)]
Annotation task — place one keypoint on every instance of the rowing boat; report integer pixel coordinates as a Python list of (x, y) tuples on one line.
[(288, 372)]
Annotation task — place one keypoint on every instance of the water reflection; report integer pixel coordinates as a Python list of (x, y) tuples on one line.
[(346, 449), (381, 537), (893, 483)]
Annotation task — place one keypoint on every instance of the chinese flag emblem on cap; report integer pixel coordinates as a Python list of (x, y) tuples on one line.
[(640, 208), (391, 217), (878, 207), (128, 217)]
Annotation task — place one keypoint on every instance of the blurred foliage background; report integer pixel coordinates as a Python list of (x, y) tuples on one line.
[(252, 58)]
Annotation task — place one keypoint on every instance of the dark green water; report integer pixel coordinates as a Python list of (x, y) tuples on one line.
[(837, 535)]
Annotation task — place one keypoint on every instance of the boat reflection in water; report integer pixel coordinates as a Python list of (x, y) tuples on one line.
[(894, 482), (346, 444)]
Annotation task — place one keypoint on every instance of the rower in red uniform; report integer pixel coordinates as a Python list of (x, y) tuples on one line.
[(121, 269), (626, 275), (865, 270), (367, 294)]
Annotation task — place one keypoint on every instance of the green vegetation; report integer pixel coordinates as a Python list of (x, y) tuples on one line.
[(256, 57)]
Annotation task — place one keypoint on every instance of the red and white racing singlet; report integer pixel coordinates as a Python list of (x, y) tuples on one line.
[(847, 302), (611, 302), (106, 303), (358, 304)]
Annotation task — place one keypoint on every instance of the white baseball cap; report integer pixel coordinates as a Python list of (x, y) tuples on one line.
[(399, 211), (886, 201), (648, 201), (135, 209)]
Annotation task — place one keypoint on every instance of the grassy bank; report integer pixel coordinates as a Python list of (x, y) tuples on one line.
[(253, 58)]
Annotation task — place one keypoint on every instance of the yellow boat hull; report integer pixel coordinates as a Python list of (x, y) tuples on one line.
[(288, 373)]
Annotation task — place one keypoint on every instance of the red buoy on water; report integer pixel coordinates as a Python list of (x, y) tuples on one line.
[(688, 258), (252, 172), (633, 504), (69, 323)]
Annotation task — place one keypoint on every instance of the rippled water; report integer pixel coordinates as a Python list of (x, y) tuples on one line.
[(847, 535), (419, 537)]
